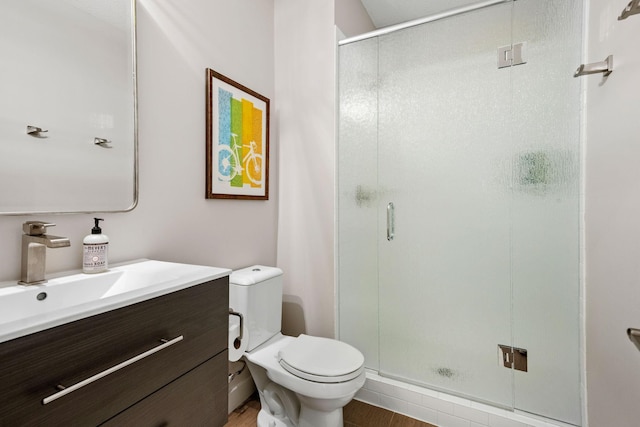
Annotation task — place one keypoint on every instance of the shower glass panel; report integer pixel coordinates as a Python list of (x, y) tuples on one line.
[(481, 245), (545, 229), (357, 198), (444, 153)]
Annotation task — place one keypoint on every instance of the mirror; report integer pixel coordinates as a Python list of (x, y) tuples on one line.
[(68, 129)]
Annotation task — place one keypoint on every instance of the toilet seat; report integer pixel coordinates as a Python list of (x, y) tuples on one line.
[(321, 360), (266, 357)]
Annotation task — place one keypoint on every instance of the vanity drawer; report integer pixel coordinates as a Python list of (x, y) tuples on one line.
[(198, 398), (69, 354)]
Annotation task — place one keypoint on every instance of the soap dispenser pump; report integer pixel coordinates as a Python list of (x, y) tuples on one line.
[(95, 248)]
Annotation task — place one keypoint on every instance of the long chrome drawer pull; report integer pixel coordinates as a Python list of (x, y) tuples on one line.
[(66, 390)]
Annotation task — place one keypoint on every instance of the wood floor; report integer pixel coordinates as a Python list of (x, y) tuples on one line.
[(359, 414), (356, 414), (246, 414)]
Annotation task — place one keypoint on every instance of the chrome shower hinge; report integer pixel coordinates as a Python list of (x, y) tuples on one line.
[(512, 357), (511, 55)]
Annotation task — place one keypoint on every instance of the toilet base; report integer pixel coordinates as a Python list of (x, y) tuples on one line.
[(308, 418), (312, 418), (265, 419)]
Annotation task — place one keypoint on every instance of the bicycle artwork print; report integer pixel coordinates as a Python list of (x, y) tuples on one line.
[(237, 150)]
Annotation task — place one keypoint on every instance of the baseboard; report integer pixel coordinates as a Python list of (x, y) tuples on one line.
[(240, 389)]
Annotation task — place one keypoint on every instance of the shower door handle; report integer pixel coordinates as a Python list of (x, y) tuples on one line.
[(391, 221)]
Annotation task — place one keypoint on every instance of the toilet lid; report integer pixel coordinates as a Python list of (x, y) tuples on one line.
[(321, 359)]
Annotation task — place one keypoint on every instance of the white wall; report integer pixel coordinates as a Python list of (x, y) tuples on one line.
[(612, 218), (352, 18), (177, 41), (305, 115)]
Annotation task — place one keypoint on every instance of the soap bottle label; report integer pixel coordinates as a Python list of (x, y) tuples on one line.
[(95, 256)]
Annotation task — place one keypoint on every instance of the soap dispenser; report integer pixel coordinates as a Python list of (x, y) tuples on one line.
[(95, 248)]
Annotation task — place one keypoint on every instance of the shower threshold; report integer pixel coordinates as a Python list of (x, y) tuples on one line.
[(441, 408)]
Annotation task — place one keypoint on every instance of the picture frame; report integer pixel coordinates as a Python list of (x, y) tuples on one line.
[(237, 148)]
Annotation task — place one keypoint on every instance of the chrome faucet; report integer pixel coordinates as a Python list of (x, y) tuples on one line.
[(34, 245)]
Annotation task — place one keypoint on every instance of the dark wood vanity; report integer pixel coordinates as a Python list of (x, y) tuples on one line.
[(161, 380)]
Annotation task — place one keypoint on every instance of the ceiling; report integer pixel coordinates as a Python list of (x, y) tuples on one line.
[(390, 12)]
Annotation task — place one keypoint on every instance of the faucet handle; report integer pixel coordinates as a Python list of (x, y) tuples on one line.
[(36, 228)]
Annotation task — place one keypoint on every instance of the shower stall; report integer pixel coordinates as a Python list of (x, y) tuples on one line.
[(459, 204)]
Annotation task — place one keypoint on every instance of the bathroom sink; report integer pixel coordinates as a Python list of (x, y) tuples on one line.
[(73, 296)]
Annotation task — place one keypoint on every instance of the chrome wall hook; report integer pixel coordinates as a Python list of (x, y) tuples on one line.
[(632, 8), (102, 142), (605, 67), (36, 131)]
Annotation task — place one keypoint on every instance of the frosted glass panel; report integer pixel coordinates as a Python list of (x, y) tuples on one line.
[(482, 166), (357, 198), (445, 152), (546, 207)]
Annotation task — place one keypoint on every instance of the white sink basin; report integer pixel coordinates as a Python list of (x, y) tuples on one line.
[(28, 309)]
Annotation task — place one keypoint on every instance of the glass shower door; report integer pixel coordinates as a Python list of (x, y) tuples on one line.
[(444, 204), (459, 205)]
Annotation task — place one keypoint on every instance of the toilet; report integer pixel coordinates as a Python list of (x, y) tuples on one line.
[(302, 381)]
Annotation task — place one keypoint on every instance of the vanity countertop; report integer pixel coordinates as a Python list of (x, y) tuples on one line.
[(71, 296)]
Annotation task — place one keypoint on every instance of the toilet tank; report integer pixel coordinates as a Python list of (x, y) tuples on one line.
[(256, 292)]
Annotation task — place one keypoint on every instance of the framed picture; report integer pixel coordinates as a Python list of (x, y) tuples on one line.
[(237, 140)]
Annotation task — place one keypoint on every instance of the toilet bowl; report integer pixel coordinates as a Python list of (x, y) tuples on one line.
[(302, 381)]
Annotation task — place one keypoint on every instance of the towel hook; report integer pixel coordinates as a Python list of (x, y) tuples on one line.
[(632, 8), (35, 131), (605, 67), (102, 142)]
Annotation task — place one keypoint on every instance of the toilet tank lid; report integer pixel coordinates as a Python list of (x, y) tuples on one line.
[(255, 274)]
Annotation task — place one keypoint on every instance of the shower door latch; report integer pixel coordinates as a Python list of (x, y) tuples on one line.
[(512, 357), (511, 55)]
